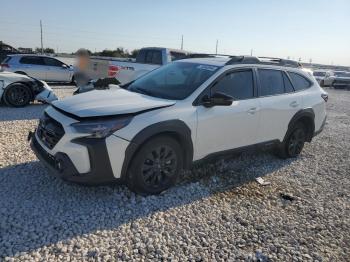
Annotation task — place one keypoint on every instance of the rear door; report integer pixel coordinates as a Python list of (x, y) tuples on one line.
[(57, 71), (279, 103), (223, 128), (33, 66)]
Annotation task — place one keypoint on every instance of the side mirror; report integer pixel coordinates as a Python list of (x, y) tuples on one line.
[(217, 99)]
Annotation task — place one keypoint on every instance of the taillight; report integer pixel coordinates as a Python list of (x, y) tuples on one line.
[(325, 97), (3, 66), (113, 70)]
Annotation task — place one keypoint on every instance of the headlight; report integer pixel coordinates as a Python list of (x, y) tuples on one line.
[(101, 128)]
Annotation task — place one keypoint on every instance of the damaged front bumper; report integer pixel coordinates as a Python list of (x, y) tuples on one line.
[(46, 95)]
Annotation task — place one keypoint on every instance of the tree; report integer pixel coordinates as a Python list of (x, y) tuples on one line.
[(134, 53), (47, 50)]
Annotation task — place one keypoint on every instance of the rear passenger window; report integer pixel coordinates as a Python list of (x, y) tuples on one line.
[(154, 57), (288, 87), (237, 84), (271, 82), (32, 60), (299, 82)]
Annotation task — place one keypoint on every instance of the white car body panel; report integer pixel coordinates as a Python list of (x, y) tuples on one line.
[(225, 127)]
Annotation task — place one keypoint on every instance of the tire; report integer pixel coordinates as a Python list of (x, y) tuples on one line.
[(17, 95), (73, 82), (294, 142), (322, 83), (155, 167)]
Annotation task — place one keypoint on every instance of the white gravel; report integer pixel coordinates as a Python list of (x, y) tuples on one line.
[(218, 212)]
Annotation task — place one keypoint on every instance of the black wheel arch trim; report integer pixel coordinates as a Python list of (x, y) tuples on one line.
[(176, 128), (302, 114)]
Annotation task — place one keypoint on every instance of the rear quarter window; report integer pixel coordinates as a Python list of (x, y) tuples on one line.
[(299, 82)]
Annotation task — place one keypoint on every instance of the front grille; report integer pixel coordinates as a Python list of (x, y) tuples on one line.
[(41, 151), (49, 131)]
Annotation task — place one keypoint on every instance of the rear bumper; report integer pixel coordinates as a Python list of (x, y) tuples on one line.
[(60, 165)]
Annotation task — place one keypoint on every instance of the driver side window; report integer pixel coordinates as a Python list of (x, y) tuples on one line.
[(238, 84)]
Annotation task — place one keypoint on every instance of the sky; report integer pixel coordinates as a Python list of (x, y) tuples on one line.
[(314, 29)]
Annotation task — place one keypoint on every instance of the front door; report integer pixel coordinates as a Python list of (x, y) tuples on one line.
[(221, 128), (57, 71)]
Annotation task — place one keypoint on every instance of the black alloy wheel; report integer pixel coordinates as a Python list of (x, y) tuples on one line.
[(296, 142), (159, 166), (17, 95), (156, 166)]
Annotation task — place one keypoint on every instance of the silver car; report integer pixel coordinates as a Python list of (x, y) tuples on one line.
[(40, 67)]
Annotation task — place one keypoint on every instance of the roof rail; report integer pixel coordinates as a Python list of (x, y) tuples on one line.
[(203, 55), (263, 60)]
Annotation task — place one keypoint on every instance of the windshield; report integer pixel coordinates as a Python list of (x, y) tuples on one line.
[(319, 73), (173, 81), (342, 74)]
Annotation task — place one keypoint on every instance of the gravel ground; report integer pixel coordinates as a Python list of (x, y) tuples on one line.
[(218, 212)]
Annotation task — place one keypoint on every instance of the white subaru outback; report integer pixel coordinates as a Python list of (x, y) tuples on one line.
[(145, 132)]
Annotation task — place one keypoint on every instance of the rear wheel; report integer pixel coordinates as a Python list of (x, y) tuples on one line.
[(294, 142), (156, 166), (73, 82), (17, 95)]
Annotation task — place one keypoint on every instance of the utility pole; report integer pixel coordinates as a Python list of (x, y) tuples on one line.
[(217, 44), (251, 52), (182, 42), (41, 37)]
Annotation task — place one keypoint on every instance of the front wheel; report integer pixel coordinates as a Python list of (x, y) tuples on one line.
[(156, 166), (294, 142), (17, 95)]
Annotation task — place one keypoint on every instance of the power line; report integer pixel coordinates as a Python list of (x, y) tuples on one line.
[(41, 37)]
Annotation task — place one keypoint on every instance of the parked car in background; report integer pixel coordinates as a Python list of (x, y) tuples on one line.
[(19, 90), (341, 80), (38, 66), (147, 131), (320, 76), (147, 59)]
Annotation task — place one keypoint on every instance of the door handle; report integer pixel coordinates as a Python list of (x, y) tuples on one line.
[(294, 104), (252, 110)]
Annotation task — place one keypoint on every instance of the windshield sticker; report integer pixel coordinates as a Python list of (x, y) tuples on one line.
[(207, 67)]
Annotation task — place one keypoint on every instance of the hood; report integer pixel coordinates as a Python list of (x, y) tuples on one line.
[(13, 77), (109, 102)]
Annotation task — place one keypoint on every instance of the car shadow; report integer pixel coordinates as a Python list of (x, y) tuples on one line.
[(30, 112), (38, 210)]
